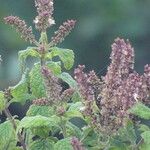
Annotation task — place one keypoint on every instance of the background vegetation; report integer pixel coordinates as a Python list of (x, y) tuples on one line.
[(98, 23)]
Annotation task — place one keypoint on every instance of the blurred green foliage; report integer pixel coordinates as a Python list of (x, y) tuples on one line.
[(98, 23)]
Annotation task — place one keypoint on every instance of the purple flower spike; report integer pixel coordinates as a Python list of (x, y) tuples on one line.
[(20, 25)]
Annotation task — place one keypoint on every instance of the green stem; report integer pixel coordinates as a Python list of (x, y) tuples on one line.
[(44, 42), (42, 62), (43, 38), (63, 126), (10, 117)]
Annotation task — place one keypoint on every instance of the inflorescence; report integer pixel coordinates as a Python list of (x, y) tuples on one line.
[(42, 21), (113, 94), (117, 91), (62, 32), (21, 26), (54, 92), (45, 11)]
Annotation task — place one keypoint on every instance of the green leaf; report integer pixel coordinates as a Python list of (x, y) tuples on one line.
[(8, 139), (87, 130), (55, 67), (140, 110), (37, 82), (72, 114), (116, 144), (66, 77), (66, 56), (2, 101), (16, 148), (20, 91), (127, 133), (64, 144), (73, 130), (43, 132), (75, 106), (42, 144), (144, 146), (146, 136), (97, 147), (49, 56), (46, 111), (76, 97), (38, 122), (91, 140), (30, 51), (143, 128), (29, 137)]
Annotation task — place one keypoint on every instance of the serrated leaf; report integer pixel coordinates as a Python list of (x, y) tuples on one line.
[(46, 111), (144, 146), (116, 143), (55, 67), (8, 139), (127, 133), (42, 144), (87, 130), (140, 110), (2, 101), (146, 136), (66, 77), (76, 97), (20, 91), (91, 140), (30, 51), (143, 128), (37, 82), (73, 130), (48, 56), (64, 144), (73, 113), (42, 132), (66, 56), (38, 122), (75, 106)]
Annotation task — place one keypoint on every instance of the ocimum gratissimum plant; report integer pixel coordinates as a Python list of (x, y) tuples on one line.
[(109, 109)]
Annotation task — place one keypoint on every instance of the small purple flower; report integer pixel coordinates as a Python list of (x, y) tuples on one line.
[(45, 10), (67, 94), (20, 25), (41, 102), (53, 88), (118, 90), (62, 32), (76, 144)]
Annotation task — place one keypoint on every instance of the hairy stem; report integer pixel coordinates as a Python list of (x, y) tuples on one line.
[(43, 40), (42, 62), (10, 117)]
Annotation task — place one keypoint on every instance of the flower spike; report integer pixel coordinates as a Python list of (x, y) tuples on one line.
[(45, 12), (21, 26), (62, 32)]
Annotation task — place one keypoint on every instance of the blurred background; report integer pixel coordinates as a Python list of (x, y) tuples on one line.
[(99, 22)]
